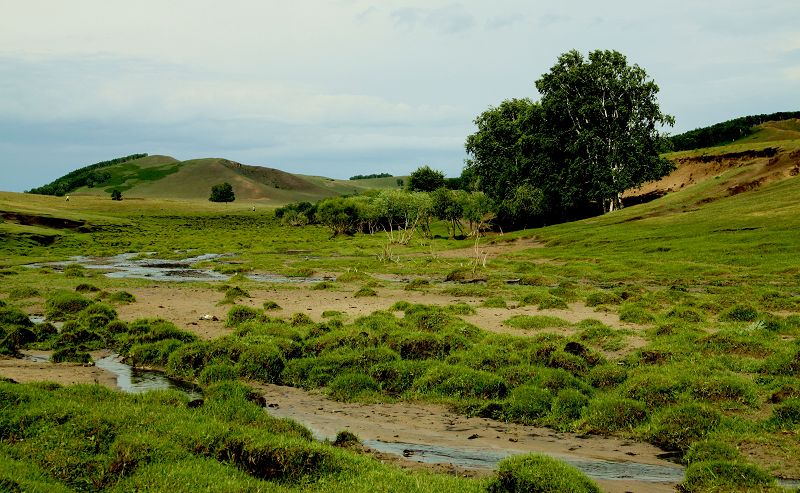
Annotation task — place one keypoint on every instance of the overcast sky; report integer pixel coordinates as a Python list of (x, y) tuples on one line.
[(345, 87)]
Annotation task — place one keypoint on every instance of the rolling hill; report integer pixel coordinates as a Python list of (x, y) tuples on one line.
[(166, 177)]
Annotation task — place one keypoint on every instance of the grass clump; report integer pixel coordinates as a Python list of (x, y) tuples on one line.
[(527, 404), (786, 415), (417, 284), (609, 414), (263, 362), (539, 473), (725, 475), (270, 305), (351, 386), (322, 285), (710, 450), (219, 372), (677, 427), (364, 292), (534, 322), (122, 297), (739, 313), (70, 354), (23, 292), (635, 314), (331, 314), (74, 270), (86, 288), (598, 298), (495, 302), (239, 314), (64, 304)]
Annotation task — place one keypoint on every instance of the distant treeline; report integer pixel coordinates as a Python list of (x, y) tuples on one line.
[(725, 132), (88, 176), (375, 175)]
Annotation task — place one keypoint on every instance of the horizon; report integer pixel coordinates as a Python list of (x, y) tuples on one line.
[(349, 87)]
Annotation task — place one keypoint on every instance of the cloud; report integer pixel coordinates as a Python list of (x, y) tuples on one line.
[(497, 23), (450, 19)]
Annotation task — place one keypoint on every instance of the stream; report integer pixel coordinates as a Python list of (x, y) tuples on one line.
[(134, 380), (131, 266)]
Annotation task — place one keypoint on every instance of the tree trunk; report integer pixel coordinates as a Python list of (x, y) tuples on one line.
[(612, 204)]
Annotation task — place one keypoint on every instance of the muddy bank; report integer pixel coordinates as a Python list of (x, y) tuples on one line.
[(35, 366), (430, 433)]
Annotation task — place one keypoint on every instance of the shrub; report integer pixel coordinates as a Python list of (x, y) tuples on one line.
[(739, 313), (527, 403), (539, 474), (23, 292), (609, 414), (676, 428), (64, 304), (723, 475), (349, 386), (263, 362), (239, 313)]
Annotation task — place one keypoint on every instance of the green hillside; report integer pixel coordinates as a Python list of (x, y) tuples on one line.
[(165, 177)]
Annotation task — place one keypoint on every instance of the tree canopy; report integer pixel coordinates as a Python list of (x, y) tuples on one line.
[(425, 179), (222, 192), (594, 133)]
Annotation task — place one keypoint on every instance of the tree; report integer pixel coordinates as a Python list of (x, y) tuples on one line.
[(425, 179), (222, 193), (594, 134), (116, 194), (604, 119)]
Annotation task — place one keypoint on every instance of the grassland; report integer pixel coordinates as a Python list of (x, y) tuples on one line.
[(701, 356)]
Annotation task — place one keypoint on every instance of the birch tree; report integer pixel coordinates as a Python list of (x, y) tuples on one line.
[(604, 115)]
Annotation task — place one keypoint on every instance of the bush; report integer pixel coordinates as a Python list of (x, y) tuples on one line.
[(526, 404), (739, 313), (64, 304), (535, 473), (676, 428), (723, 475), (610, 414), (263, 362), (239, 313), (349, 386)]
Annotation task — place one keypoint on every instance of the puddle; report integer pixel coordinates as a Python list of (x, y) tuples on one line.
[(132, 266), (135, 381)]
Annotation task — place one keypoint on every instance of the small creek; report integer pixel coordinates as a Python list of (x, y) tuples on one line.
[(135, 380), (131, 266)]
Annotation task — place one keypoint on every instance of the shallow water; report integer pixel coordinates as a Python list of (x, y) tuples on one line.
[(129, 266), (136, 381)]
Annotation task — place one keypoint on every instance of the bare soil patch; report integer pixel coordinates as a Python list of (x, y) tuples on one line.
[(25, 370)]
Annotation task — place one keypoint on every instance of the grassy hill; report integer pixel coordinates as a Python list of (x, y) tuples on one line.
[(165, 177)]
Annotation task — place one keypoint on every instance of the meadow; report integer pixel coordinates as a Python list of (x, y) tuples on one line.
[(673, 323)]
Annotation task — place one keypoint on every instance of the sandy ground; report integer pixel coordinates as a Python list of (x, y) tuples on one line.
[(432, 424), (24, 370)]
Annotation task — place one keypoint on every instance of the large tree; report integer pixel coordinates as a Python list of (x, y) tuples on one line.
[(605, 121), (594, 134), (425, 179)]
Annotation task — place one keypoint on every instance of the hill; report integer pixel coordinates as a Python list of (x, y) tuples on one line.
[(143, 176), (771, 153)]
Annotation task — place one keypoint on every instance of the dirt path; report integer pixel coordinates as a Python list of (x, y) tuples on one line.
[(409, 423)]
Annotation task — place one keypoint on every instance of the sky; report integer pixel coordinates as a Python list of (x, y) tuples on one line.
[(345, 87)]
